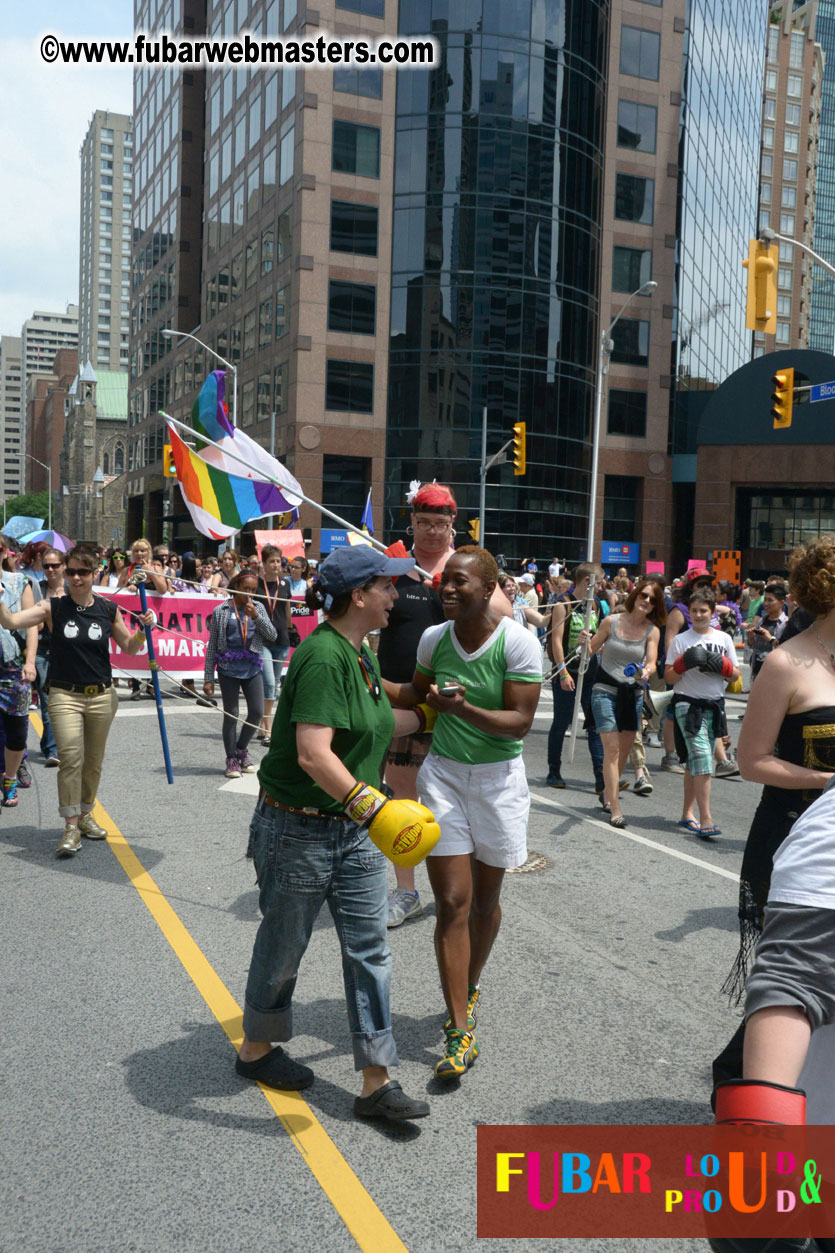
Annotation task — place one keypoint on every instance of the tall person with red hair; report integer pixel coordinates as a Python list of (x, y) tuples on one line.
[(418, 606)]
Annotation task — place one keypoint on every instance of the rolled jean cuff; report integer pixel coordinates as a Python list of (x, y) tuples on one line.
[(70, 811), (263, 1027), (375, 1050)]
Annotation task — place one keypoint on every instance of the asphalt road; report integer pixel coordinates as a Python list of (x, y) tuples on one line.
[(125, 1127)]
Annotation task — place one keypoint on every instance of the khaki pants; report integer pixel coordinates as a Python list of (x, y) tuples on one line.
[(81, 724)]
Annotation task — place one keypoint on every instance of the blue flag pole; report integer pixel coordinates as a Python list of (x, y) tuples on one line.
[(152, 665)]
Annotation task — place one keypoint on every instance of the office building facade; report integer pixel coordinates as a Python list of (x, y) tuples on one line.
[(11, 415), (822, 327), (42, 337), (105, 246), (789, 165)]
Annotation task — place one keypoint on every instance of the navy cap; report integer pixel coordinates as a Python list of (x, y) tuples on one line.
[(347, 568)]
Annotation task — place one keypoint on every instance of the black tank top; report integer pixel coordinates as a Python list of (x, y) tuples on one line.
[(81, 640), (806, 739), (418, 606)]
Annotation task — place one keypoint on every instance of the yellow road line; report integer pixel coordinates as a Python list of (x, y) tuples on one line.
[(352, 1202)]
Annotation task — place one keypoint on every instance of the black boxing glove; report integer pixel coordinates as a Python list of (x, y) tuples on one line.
[(692, 659)]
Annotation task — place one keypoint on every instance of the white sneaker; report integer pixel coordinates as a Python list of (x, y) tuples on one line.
[(403, 905), (233, 768)]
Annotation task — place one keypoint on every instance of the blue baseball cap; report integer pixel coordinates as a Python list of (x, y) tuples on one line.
[(347, 568)]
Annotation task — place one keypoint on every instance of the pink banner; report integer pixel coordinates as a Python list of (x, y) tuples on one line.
[(291, 543), (182, 631), (655, 567), (695, 563)]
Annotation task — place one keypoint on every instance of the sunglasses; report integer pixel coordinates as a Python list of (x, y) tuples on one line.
[(76, 572), (645, 596), (52, 565)]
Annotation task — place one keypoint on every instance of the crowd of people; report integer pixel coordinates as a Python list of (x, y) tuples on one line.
[(401, 719)]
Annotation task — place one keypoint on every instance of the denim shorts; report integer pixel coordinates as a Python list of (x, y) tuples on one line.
[(604, 705), (273, 658)]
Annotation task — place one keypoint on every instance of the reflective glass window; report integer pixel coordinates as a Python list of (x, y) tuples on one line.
[(370, 8), (357, 81), (354, 228), (356, 149), (349, 386), (631, 339), (621, 506), (631, 268), (634, 198), (640, 51), (627, 413), (637, 124), (352, 307)]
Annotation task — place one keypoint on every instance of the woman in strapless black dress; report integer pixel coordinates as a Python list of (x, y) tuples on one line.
[(787, 742)]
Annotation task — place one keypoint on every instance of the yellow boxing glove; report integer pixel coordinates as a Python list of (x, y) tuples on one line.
[(427, 716), (405, 831)]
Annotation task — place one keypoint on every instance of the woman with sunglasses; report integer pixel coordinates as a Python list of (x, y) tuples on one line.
[(141, 558), (82, 700), (111, 575), (239, 630), (629, 644), (54, 566), (310, 840), (17, 672)]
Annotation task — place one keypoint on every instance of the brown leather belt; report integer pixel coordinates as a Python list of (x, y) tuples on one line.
[(291, 809)]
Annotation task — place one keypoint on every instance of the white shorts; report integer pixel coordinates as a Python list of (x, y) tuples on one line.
[(481, 809)]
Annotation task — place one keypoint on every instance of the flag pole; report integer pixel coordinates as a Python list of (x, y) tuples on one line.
[(288, 491), (154, 668)]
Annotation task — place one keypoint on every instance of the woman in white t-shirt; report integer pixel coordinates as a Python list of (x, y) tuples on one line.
[(492, 669), (700, 663)]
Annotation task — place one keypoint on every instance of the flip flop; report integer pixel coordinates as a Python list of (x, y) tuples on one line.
[(276, 1070), (708, 833), (390, 1102), (689, 825)]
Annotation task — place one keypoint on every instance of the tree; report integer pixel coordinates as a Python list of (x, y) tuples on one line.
[(32, 505)]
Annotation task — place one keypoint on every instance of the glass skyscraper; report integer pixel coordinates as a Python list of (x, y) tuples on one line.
[(495, 259), (822, 329), (719, 152)]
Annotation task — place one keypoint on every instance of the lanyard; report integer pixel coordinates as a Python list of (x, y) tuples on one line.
[(242, 623), (272, 601)]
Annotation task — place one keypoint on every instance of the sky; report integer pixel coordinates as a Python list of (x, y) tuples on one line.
[(45, 111)]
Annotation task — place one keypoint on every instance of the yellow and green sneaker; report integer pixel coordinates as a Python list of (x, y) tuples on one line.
[(460, 1053), (472, 1008)]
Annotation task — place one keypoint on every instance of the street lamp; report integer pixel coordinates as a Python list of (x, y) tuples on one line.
[(604, 354), (768, 235), (169, 334), (48, 483)]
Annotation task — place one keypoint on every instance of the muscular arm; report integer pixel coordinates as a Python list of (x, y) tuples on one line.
[(129, 641), (768, 704), (512, 721), (407, 695)]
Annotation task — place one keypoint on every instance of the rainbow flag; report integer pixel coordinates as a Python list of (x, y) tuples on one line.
[(219, 502), (210, 413)]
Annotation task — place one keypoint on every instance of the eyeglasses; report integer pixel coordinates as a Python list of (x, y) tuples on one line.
[(52, 565), (645, 596), (439, 524), (76, 572)]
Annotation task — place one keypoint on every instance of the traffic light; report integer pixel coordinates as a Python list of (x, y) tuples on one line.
[(475, 530), (168, 467), (761, 304), (783, 398), (520, 461)]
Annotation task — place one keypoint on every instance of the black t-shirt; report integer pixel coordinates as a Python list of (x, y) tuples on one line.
[(81, 640), (418, 606), (278, 617)]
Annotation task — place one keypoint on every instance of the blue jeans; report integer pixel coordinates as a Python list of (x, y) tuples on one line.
[(563, 713), (48, 747), (300, 862), (273, 657)]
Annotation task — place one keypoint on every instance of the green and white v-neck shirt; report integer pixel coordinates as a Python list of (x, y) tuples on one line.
[(511, 652)]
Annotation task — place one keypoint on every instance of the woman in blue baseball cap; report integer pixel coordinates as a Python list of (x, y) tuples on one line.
[(313, 834)]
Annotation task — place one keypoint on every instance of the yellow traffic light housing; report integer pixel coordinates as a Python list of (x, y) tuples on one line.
[(475, 530), (168, 467), (761, 304), (783, 398), (520, 461)]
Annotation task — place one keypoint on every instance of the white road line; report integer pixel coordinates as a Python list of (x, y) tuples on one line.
[(637, 839), (247, 785)]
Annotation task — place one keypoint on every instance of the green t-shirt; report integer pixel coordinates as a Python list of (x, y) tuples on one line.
[(511, 652), (325, 684)]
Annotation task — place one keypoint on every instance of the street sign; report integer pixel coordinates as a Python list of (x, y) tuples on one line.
[(822, 391)]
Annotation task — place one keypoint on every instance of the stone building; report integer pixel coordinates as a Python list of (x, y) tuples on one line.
[(91, 504)]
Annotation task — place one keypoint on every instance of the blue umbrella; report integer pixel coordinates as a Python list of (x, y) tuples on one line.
[(20, 525), (54, 538)]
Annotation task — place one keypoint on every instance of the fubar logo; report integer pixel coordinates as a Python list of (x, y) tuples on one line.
[(408, 839)]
